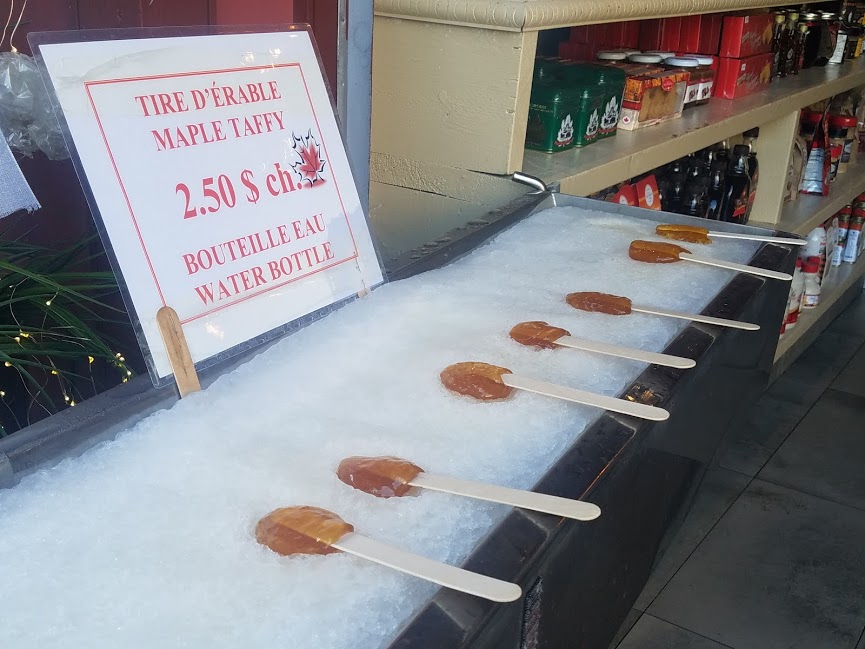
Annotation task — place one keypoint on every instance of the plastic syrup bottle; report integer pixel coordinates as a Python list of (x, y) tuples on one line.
[(816, 247), (797, 293), (753, 168), (812, 283), (737, 187), (851, 249)]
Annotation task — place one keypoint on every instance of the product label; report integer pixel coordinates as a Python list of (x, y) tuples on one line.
[(566, 132), (592, 126), (692, 93), (851, 250), (840, 45), (706, 89), (611, 116), (811, 301)]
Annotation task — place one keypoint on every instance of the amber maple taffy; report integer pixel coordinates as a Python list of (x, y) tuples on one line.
[(660, 252), (311, 530), (537, 333), (696, 234), (487, 382), (386, 477), (617, 305)]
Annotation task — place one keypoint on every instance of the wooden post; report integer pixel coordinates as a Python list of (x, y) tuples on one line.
[(178, 351)]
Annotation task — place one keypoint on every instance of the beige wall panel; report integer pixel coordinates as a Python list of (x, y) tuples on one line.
[(773, 147), (404, 218), (450, 95), (448, 181)]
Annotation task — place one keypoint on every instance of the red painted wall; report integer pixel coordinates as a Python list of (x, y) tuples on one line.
[(65, 216)]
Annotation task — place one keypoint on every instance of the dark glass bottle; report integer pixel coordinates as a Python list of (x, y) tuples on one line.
[(694, 201), (799, 47), (777, 38), (715, 194), (679, 166), (722, 152), (734, 207), (663, 192), (811, 48), (750, 138), (676, 191), (789, 40)]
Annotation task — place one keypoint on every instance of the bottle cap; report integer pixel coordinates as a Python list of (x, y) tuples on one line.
[(793, 15), (798, 262), (844, 121), (780, 18), (803, 27), (811, 117), (812, 265)]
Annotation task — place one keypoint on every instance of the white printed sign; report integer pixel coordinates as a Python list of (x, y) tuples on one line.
[(221, 179)]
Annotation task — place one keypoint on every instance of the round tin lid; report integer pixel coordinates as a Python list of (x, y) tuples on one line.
[(702, 60), (682, 62), (646, 58), (611, 55), (661, 53)]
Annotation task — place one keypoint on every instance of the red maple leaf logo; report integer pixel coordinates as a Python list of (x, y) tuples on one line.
[(311, 162)]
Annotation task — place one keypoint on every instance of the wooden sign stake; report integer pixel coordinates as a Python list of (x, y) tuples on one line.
[(178, 351)]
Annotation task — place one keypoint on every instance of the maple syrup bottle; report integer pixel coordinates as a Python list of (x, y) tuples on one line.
[(716, 190), (734, 207), (676, 191), (750, 138), (694, 203), (777, 38), (791, 38)]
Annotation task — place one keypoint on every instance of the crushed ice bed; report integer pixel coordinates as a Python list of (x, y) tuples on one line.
[(147, 541)]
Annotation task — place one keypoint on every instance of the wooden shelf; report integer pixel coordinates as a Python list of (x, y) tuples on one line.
[(530, 15), (807, 212), (630, 153), (835, 287)]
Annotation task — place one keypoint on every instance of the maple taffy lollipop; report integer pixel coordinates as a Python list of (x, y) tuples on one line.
[(697, 234), (297, 530), (660, 252), (541, 335), (594, 302), (486, 382), (387, 477)]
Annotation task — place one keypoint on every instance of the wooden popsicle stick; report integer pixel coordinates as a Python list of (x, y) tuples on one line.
[(666, 360), (586, 398), (741, 268), (757, 237), (567, 507), (434, 571), (178, 351), (696, 317)]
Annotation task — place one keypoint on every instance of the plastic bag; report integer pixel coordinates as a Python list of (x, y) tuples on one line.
[(27, 120)]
